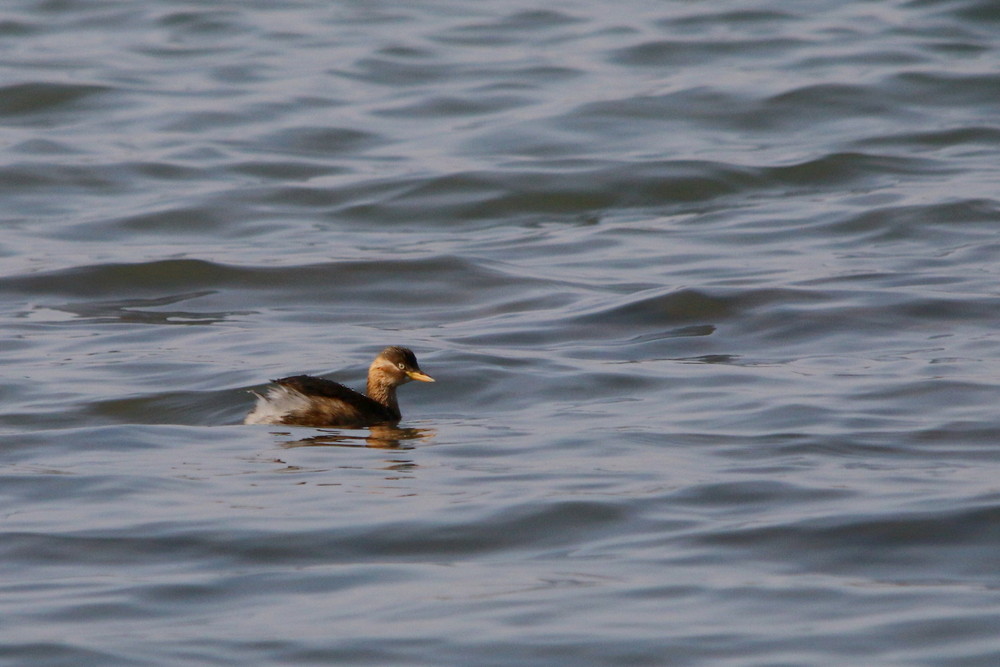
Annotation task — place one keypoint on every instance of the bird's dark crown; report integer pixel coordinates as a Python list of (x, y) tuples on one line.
[(396, 355)]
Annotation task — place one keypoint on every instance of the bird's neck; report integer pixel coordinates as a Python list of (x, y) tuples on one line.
[(383, 393)]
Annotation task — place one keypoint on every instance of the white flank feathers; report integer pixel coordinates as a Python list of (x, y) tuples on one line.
[(279, 402)]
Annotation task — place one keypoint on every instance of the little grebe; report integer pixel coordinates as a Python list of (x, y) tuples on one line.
[(302, 400)]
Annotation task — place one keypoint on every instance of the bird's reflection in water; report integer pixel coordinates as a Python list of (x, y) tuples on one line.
[(380, 437)]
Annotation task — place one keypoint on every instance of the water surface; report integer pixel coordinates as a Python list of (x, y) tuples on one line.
[(709, 290)]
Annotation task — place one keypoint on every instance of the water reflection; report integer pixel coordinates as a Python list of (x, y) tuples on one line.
[(381, 437)]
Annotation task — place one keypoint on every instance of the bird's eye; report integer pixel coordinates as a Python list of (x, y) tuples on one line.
[(402, 365)]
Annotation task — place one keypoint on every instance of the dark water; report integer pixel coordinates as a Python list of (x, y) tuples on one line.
[(710, 291)]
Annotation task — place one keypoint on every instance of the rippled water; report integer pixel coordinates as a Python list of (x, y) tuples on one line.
[(710, 291)]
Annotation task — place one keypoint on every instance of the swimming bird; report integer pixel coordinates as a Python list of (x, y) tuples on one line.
[(302, 400)]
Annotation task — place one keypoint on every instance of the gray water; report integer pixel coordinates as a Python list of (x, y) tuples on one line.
[(710, 290)]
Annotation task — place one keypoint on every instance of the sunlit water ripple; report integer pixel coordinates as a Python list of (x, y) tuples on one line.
[(710, 292)]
